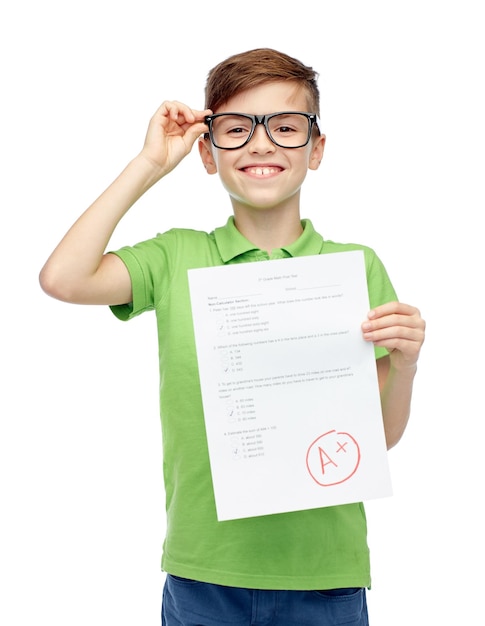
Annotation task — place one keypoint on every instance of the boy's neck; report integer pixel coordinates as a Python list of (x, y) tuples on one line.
[(270, 229)]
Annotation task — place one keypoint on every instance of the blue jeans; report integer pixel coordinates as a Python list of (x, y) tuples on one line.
[(192, 603)]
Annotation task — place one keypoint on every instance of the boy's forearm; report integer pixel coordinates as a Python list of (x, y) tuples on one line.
[(400, 329), (78, 270), (396, 397), (78, 256)]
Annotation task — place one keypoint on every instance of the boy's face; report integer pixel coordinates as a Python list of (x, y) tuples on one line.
[(261, 175)]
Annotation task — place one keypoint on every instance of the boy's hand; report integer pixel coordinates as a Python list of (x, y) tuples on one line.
[(172, 132), (399, 328)]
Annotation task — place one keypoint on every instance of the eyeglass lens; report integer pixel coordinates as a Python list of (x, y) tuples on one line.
[(289, 130)]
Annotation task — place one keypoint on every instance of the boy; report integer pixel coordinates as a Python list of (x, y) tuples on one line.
[(304, 567)]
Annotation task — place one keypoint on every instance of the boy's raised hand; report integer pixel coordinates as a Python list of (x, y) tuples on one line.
[(172, 132), (399, 328)]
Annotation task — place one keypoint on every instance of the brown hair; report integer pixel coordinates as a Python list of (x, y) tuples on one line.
[(253, 68)]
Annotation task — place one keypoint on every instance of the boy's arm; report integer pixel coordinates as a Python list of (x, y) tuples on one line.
[(399, 328), (78, 270)]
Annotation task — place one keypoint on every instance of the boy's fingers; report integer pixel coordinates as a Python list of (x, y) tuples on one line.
[(393, 307), (181, 113)]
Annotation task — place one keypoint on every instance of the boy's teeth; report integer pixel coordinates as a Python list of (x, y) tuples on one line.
[(262, 171)]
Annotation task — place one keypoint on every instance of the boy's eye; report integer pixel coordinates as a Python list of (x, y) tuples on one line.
[(238, 130), (284, 129), (288, 124), (232, 127)]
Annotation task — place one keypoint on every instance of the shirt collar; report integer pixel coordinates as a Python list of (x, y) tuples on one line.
[(231, 243)]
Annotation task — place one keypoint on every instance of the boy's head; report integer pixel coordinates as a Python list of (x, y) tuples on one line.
[(257, 67)]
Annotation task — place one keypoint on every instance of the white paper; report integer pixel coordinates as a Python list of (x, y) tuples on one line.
[(289, 386)]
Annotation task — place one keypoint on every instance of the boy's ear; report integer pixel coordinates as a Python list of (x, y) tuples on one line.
[(316, 154), (205, 151)]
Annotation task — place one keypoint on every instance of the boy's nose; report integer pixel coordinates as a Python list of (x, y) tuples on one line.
[(260, 142)]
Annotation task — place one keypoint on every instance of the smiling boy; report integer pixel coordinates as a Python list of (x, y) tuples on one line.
[(304, 567)]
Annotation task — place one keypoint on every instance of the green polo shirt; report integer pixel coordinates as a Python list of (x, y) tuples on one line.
[(316, 549)]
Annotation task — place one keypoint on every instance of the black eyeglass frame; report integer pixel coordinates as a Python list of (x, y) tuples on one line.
[(263, 119)]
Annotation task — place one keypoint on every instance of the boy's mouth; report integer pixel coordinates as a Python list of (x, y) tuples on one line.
[(262, 170)]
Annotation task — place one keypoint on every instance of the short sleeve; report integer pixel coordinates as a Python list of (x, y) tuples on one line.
[(380, 287), (149, 266)]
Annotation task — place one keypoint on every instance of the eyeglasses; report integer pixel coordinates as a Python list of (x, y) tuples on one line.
[(288, 129)]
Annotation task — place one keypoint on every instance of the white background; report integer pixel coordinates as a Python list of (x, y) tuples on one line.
[(82, 512)]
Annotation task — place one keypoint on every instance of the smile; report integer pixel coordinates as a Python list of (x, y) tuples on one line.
[(262, 171)]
